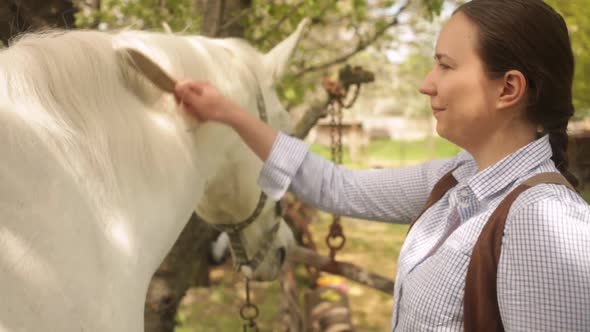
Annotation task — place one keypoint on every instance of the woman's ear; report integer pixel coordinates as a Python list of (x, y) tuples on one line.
[(513, 89)]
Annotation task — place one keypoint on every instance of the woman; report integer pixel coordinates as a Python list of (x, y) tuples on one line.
[(500, 89)]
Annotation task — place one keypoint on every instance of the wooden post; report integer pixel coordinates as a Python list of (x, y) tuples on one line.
[(292, 315), (327, 309)]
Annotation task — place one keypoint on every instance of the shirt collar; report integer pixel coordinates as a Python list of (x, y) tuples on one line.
[(512, 167)]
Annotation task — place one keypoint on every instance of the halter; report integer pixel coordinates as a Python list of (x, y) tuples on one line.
[(234, 230)]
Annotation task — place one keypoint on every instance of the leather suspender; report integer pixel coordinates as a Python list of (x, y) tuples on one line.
[(480, 303)]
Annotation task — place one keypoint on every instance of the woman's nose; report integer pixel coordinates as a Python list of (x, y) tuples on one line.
[(427, 86)]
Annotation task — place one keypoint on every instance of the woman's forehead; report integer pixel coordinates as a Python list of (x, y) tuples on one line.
[(458, 38)]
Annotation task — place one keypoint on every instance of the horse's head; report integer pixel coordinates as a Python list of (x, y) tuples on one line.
[(259, 237), (232, 200)]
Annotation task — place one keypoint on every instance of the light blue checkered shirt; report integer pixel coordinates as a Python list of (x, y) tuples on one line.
[(544, 269)]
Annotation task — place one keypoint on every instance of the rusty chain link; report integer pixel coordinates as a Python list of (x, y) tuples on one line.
[(338, 99), (338, 92), (249, 312), (335, 239)]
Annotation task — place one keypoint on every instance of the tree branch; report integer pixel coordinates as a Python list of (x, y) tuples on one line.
[(309, 119), (315, 43), (307, 256), (238, 16), (212, 18), (282, 19), (362, 45), (278, 23)]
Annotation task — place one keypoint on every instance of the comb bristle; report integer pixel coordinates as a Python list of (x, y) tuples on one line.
[(152, 71)]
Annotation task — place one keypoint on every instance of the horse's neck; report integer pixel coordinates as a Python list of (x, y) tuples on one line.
[(73, 231), (138, 167), (170, 196), (233, 193)]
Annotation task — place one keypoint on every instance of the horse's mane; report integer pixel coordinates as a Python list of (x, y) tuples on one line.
[(94, 112)]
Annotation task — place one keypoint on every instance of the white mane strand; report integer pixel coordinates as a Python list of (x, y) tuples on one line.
[(76, 94), (69, 87)]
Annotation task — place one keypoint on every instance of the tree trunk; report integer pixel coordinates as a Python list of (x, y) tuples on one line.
[(221, 18), (18, 16), (186, 265)]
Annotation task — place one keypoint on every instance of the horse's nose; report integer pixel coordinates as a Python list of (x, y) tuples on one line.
[(282, 254)]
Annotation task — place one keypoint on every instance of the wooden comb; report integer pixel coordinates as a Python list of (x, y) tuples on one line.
[(151, 70)]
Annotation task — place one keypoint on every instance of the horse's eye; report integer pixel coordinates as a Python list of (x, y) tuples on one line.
[(278, 209), (282, 254)]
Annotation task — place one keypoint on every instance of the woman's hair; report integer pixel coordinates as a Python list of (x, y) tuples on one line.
[(531, 37)]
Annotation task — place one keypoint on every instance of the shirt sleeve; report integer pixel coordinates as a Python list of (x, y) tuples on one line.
[(378, 194), (544, 269)]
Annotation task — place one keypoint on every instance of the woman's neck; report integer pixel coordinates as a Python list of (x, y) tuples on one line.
[(502, 143)]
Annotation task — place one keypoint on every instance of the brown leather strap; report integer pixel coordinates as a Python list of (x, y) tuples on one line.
[(480, 303), (443, 185)]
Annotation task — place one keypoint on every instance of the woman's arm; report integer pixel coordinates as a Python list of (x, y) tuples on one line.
[(389, 194), (544, 270), (379, 194)]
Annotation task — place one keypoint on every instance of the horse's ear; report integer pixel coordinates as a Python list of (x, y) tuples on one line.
[(148, 68), (277, 59)]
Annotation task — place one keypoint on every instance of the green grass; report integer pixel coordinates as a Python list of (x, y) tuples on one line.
[(413, 150), (394, 152), (216, 309)]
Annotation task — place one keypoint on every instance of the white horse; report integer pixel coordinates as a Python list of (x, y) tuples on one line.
[(100, 170)]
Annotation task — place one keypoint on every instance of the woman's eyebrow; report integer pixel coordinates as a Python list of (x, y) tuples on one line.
[(439, 56)]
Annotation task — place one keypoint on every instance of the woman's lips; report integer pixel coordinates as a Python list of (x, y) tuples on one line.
[(436, 109)]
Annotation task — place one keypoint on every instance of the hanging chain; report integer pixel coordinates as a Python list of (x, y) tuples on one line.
[(335, 239), (249, 312), (338, 92)]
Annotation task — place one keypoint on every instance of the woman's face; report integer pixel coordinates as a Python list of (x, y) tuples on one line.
[(462, 97)]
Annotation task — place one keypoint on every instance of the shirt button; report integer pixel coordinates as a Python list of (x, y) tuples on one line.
[(464, 197)]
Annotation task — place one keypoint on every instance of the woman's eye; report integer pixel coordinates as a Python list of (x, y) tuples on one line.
[(443, 66)]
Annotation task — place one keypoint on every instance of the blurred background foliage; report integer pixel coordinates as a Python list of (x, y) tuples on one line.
[(365, 32), (341, 31), (344, 30), (392, 38)]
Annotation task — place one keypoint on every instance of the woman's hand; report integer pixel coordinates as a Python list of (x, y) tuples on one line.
[(204, 101)]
